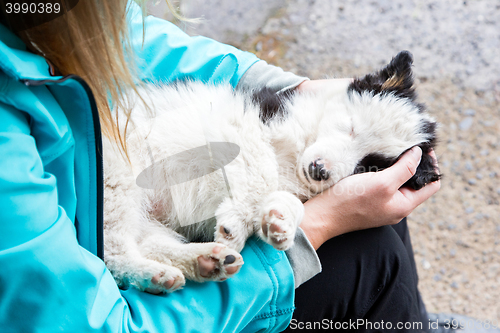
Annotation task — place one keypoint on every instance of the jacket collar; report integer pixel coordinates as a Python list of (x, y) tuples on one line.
[(16, 61)]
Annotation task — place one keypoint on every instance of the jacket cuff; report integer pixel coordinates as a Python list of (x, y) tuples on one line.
[(262, 75), (303, 259)]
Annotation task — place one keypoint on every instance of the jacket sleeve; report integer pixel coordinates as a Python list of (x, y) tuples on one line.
[(49, 283), (167, 54)]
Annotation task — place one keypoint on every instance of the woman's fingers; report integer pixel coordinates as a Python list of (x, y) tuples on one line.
[(432, 153), (413, 198), (405, 200), (409, 198)]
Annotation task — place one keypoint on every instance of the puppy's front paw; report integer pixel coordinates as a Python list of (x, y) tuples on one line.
[(234, 225), (281, 214)]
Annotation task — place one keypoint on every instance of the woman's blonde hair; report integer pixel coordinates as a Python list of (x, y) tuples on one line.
[(92, 41)]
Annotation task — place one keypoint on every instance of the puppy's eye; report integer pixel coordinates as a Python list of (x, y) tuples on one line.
[(225, 232)]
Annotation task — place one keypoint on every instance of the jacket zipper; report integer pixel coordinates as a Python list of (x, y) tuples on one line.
[(98, 149)]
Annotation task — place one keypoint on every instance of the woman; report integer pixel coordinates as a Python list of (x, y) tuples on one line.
[(51, 181)]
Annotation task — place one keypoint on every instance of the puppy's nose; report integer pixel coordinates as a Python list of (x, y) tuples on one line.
[(317, 171)]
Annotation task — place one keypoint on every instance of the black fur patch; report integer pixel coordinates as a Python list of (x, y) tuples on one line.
[(373, 163), (429, 128), (271, 104), (395, 78)]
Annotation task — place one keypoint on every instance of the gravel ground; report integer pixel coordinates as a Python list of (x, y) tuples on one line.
[(456, 234)]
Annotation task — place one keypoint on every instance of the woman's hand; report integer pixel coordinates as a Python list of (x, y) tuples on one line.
[(366, 200)]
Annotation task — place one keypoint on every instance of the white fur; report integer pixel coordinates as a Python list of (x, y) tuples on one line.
[(147, 231)]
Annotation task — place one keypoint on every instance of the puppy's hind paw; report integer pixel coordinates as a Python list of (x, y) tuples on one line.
[(219, 264), (167, 280)]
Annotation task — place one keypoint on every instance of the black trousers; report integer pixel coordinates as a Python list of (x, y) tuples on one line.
[(368, 283)]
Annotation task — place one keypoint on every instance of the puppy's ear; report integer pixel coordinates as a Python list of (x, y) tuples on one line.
[(396, 78)]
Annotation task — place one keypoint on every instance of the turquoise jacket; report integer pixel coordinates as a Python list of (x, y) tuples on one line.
[(52, 277)]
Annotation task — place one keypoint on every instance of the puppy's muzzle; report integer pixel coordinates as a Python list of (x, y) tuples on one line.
[(317, 171)]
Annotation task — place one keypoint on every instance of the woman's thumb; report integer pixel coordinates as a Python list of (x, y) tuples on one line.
[(405, 167)]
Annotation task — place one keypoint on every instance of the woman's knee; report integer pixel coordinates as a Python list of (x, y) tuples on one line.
[(358, 268), (365, 250)]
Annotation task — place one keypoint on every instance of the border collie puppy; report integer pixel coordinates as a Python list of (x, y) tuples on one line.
[(213, 166)]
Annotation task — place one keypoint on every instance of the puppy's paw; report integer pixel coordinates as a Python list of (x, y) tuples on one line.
[(232, 236), (217, 263), (160, 279), (234, 225), (281, 214)]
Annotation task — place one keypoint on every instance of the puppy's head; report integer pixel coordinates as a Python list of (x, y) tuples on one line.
[(367, 126), (397, 80)]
